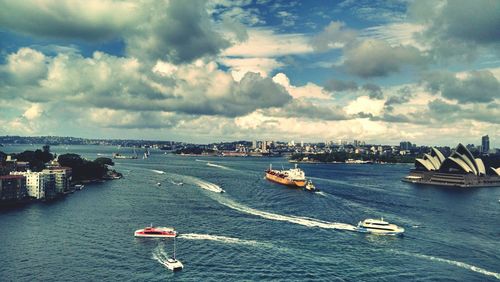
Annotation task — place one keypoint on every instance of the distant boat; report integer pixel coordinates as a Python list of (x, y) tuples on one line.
[(158, 184), (173, 263), (120, 156)]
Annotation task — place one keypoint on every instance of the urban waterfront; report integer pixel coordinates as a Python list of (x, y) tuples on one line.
[(257, 230)]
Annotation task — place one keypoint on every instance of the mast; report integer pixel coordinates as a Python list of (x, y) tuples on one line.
[(174, 248)]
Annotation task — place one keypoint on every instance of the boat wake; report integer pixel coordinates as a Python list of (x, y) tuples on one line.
[(158, 171), (452, 262), (305, 221), (206, 185), (321, 193), (218, 166), (159, 254), (223, 239)]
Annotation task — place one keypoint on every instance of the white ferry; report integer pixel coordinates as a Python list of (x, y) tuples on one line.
[(379, 227)]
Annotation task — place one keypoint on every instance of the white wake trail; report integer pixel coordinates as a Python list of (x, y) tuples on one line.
[(305, 221), (223, 239), (159, 254), (158, 171), (205, 184), (218, 166), (452, 262)]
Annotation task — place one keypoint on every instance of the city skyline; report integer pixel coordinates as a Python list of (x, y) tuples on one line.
[(427, 72)]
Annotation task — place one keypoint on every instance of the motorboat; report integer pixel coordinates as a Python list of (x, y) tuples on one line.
[(173, 263), (156, 232), (310, 186), (379, 227)]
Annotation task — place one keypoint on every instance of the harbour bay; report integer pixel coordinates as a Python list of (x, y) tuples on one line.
[(257, 230)]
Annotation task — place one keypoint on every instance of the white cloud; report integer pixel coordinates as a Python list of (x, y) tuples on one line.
[(240, 66), (364, 104), (26, 66), (310, 90), (34, 112), (266, 43), (396, 34)]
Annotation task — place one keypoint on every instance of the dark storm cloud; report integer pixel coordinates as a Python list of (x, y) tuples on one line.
[(115, 83), (340, 85), (477, 21), (458, 29), (403, 96), (251, 93), (305, 109), (476, 87), (335, 35), (376, 58), (374, 91), (178, 31), (442, 111)]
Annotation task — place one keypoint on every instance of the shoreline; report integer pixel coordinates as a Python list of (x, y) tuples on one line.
[(12, 204)]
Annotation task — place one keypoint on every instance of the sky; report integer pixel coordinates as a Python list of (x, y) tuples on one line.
[(199, 71)]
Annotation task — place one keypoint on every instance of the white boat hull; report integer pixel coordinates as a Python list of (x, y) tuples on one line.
[(380, 232), (173, 265), (154, 235)]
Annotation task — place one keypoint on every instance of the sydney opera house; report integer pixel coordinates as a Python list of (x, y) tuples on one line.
[(460, 169)]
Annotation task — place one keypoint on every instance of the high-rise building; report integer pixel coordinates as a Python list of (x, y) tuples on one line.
[(36, 183), (61, 176), (405, 145), (485, 144), (254, 144)]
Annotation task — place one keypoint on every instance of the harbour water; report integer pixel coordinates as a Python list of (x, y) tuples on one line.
[(255, 231)]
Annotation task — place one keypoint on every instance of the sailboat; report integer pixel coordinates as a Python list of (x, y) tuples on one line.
[(172, 263)]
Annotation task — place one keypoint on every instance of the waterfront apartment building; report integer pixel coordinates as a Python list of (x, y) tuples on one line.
[(12, 187), (39, 185), (62, 178)]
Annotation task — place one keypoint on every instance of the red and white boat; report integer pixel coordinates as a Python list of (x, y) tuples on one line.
[(156, 232)]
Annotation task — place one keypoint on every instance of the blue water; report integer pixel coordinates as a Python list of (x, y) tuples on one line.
[(257, 230)]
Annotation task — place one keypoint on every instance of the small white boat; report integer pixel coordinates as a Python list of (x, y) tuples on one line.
[(173, 263), (310, 186), (379, 227), (222, 191), (158, 184)]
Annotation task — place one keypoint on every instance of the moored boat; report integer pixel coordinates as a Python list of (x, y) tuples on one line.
[(156, 232), (294, 177), (379, 227)]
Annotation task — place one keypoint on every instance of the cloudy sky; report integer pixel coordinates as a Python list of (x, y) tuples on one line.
[(203, 71)]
